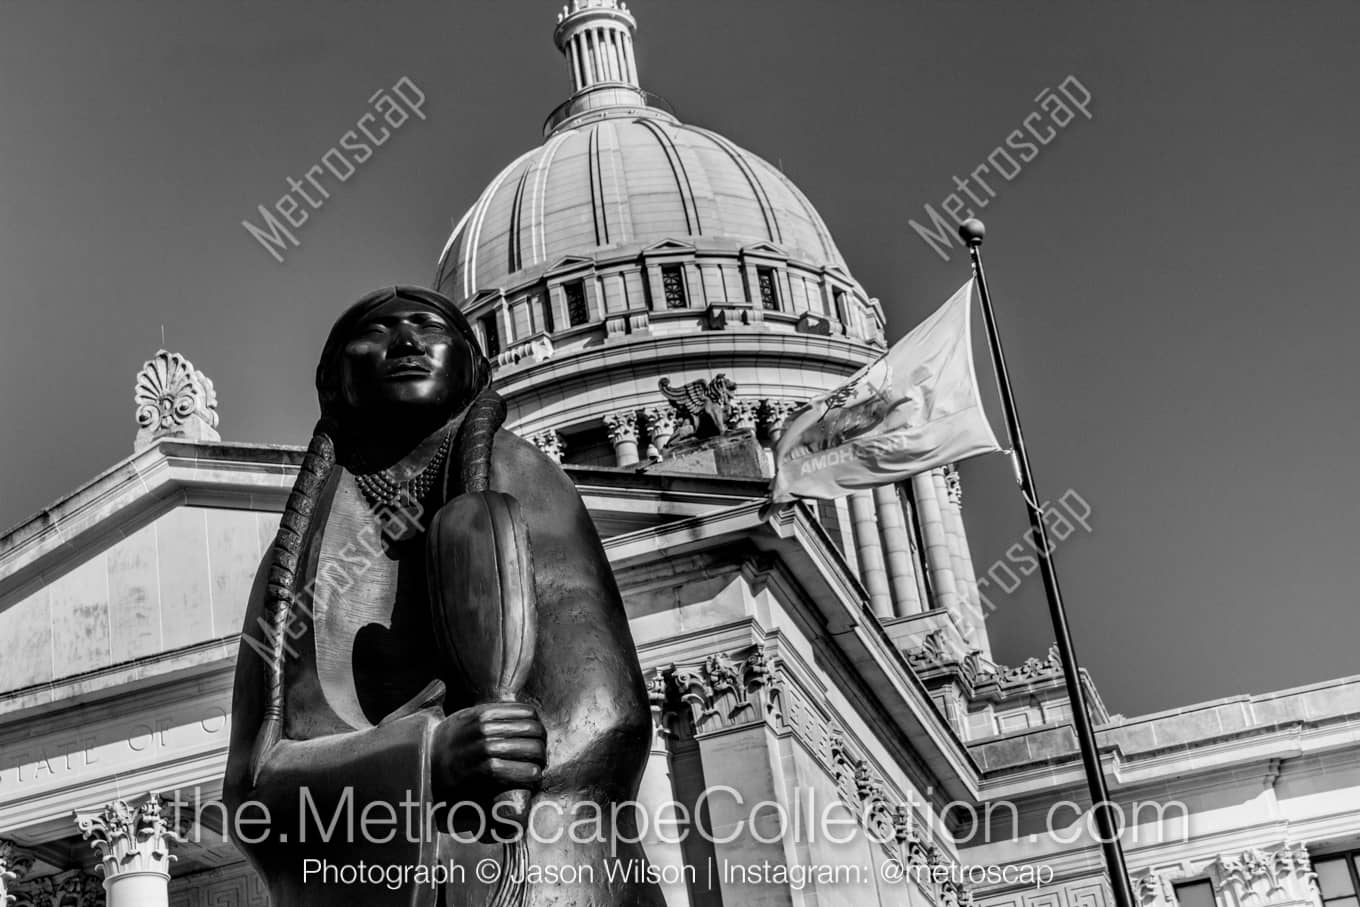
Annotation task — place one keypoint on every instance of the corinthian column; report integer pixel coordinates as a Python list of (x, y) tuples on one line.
[(897, 551), (660, 426), (743, 415), (965, 579), (550, 442), (623, 435), (133, 844), (772, 415), (1280, 876), (938, 556), (14, 864), (872, 571)]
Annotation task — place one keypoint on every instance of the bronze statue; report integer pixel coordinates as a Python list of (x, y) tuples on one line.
[(435, 638)]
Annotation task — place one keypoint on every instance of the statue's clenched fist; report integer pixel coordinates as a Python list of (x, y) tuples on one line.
[(483, 750)]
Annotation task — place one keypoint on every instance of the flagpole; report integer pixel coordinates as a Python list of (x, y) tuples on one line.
[(972, 232)]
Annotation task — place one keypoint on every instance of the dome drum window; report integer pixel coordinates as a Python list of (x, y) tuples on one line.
[(769, 295), (673, 287), (578, 312), (491, 335)]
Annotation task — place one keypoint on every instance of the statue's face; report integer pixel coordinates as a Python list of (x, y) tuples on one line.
[(406, 354)]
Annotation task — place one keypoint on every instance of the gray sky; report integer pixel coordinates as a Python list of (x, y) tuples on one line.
[(1172, 276)]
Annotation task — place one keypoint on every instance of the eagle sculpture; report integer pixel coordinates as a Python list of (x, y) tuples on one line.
[(700, 407)]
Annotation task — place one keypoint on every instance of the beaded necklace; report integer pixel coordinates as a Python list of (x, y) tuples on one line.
[(381, 490)]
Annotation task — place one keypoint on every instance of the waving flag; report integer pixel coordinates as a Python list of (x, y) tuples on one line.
[(914, 408)]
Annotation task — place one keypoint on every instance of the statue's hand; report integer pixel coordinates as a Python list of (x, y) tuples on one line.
[(486, 749)]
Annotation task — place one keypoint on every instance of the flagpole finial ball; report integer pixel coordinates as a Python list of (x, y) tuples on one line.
[(972, 231)]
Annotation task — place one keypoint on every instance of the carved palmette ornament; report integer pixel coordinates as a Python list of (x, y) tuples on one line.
[(174, 399)]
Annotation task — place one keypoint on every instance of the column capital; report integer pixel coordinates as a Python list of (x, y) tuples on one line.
[(953, 484), (660, 422), (773, 415), (1151, 889), (743, 414), (723, 691), (1269, 876), (14, 865), (623, 434), (71, 888), (622, 426), (131, 839), (551, 443)]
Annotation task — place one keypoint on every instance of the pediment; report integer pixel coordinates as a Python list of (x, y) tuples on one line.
[(486, 295), (667, 246), (569, 263), (764, 250)]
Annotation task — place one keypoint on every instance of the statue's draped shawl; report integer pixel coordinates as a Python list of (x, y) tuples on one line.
[(354, 586)]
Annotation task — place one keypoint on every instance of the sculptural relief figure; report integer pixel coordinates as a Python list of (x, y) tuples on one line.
[(701, 407), (436, 624)]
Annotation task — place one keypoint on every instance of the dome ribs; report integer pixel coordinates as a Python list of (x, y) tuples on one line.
[(474, 228), (597, 202), (515, 241), (828, 244), (682, 184), (539, 201), (762, 197), (627, 181), (611, 156)]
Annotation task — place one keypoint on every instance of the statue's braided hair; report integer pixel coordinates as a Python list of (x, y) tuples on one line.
[(485, 415)]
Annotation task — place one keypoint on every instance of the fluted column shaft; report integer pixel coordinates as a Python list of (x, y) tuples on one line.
[(579, 61), (938, 558), (950, 494), (872, 571), (897, 552)]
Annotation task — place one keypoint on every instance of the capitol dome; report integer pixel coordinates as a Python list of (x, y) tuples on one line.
[(631, 247), (631, 177)]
